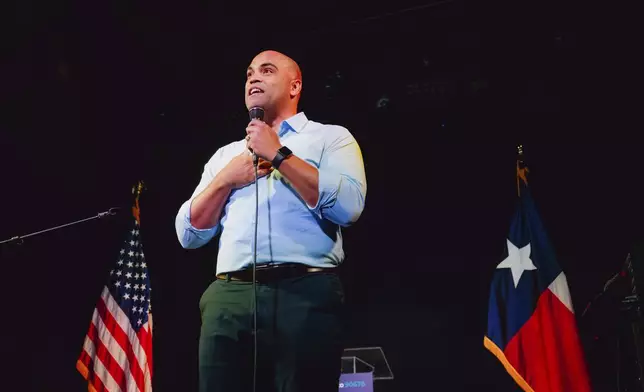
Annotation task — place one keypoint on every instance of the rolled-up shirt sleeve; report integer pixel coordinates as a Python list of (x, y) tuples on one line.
[(342, 182), (189, 236)]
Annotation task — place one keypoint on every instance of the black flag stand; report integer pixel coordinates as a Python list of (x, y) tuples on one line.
[(19, 240)]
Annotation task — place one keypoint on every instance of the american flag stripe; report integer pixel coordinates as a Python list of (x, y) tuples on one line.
[(127, 345), (130, 340), (83, 365), (115, 359), (116, 320), (98, 370), (105, 357), (145, 337)]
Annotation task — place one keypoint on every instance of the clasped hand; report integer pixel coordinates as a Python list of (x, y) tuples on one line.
[(240, 171), (262, 140)]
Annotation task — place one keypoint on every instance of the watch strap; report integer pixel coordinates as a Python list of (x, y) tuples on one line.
[(283, 153)]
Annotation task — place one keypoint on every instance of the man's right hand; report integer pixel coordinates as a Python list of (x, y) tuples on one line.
[(240, 171)]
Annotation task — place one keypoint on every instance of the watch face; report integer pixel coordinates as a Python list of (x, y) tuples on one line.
[(285, 151)]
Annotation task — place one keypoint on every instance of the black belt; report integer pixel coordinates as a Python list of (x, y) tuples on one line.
[(271, 273)]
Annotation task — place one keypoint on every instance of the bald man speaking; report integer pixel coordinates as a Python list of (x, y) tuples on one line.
[(311, 184)]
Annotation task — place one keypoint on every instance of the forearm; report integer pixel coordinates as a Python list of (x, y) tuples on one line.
[(303, 178), (206, 208)]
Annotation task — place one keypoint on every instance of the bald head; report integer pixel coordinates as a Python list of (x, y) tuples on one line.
[(274, 82), (287, 63)]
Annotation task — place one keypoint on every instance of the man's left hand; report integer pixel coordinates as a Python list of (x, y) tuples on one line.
[(262, 140)]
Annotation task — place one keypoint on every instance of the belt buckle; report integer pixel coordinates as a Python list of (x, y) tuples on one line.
[(273, 272)]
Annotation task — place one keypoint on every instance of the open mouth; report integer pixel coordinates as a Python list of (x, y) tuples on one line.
[(255, 90)]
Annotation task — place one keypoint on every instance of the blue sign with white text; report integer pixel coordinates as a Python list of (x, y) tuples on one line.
[(359, 382)]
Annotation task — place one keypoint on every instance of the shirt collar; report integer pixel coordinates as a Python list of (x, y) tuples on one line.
[(295, 123)]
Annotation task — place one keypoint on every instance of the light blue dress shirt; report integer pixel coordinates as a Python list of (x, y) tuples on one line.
[(289, 231)]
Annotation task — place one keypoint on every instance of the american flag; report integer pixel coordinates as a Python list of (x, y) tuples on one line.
[(117, 352)]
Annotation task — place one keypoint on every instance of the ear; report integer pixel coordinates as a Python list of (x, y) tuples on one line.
[(296, 87)]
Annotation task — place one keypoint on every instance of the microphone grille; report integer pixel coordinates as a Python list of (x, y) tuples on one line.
[(256, 113)]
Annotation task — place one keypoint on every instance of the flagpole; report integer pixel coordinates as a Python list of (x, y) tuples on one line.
[(521, 169), (19, 238), (137, 191)]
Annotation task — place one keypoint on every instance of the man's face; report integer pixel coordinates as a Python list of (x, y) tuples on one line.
[(268, 81)]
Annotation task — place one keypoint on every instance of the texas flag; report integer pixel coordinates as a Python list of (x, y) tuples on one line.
[(531, 321)]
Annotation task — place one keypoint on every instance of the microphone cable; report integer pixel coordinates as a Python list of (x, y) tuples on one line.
[(255, 163), (255, 112)]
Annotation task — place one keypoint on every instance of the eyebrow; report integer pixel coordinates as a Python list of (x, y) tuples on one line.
[(263, 65)]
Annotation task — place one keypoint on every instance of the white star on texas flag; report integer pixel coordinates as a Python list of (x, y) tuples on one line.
[(518, 260)]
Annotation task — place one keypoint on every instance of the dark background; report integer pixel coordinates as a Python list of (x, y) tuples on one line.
[(97, 95)]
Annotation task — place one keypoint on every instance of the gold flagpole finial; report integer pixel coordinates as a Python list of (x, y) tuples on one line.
[(138, 189), (522, 169), (136, 210)]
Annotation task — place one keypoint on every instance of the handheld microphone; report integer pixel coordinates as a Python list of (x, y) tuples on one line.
[(256, 113)]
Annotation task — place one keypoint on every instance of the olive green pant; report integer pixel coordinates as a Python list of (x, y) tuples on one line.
[(299, 335)]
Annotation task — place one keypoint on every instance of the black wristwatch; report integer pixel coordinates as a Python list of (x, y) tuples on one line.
[(282, 154)]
